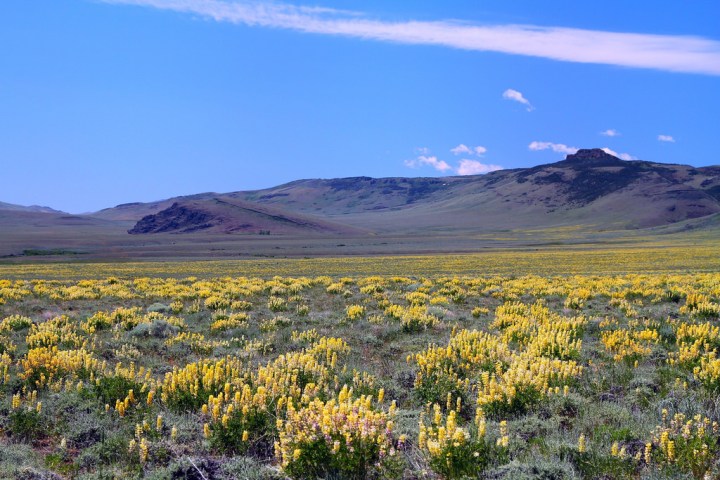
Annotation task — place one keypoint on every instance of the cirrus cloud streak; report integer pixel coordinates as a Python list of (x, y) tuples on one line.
[(688, 54)]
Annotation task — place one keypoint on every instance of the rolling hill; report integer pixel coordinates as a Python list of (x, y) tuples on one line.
[(592, 194), (590, 188), (32, 208)]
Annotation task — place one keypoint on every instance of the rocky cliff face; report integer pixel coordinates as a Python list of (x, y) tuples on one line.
[(177, 218), (223, 215)]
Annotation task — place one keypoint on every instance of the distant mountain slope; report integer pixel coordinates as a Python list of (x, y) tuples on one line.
[(31, 208), (588, 197), (47, 220), (136, 210), (22, 231), (361, 194), (590, 188), (577, 181), (227, 215)]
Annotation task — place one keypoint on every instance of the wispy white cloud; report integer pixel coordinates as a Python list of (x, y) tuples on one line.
[(610, 133), (555, 147), (465, 166), (516, 96), (666, 138), (439, 165), (473, 167), (621, 156), (562, 148), (690, 54), (464, 149)]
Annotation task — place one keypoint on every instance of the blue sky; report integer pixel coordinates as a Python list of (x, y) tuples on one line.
[(106, 102)]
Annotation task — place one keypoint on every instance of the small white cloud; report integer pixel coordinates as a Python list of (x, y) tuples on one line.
[(473, 167), (555, 147), (610, 132), (479, 150), (465, 166), (439, 165), (516, 96), (666, 138), (422, 151), (422, 160), (464, 149), (460, 149), (621, 156)]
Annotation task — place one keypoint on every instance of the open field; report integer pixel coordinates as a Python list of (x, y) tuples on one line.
[(582, 362), (690, 254)]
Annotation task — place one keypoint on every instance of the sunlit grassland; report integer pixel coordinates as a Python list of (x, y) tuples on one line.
[(582, 362), (702, 255)]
